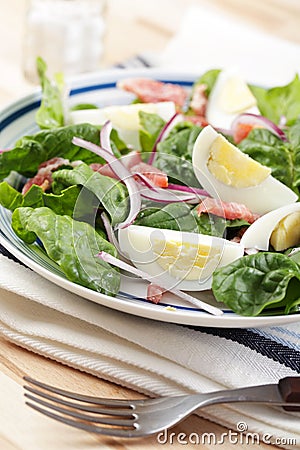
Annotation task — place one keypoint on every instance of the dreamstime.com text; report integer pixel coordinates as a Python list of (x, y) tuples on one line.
[(239, 437)]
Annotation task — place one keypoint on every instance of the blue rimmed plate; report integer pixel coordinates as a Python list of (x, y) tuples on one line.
[(18, 120)]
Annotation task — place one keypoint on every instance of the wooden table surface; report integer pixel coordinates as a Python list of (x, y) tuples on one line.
[(142, 28)]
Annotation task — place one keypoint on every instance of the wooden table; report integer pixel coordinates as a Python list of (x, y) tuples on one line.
[(133, 26)]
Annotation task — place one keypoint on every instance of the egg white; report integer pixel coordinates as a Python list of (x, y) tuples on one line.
[(266, 196), (221, 111), (258, 235), (124, 118), (140, 244)]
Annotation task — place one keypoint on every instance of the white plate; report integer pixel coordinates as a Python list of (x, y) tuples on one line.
[(17, 120)]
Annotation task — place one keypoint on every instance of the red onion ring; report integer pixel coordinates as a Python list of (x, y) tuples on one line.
[(176, 118), (105, 136), (261, 121), (145, 276), (122, 173), (165, 196), (193, 190)]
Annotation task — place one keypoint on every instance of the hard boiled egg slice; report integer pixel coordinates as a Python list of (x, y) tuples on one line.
[(124, 118), (280, 228), (229, 97), (231, 175), (181, 259)]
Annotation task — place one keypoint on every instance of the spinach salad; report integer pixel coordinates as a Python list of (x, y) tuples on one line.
[(198, 166)]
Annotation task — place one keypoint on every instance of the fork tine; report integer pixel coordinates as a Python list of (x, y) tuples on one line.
[(118, 432), (126, 410), (84, 398), (127, 421)]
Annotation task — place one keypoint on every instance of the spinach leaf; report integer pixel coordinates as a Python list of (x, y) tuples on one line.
[(111, 193), (35, 197), (72, 245), (209, 78), (255, 282), (10, 198), (267, 149), (150, 127), (31, 151), (174, 216), (182, 217), (279, 101), (174, 154), (51, 111), (294, 138), (82, 106)]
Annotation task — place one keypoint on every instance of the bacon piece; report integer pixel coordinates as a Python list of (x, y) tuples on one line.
[(154, 293), (104, 169), (199, 100), (226, 210), (241, 132), (152, 91), (133, 162), (159, 178), (196, 120), (43, 177)]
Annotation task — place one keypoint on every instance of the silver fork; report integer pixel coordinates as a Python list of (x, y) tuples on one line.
[(134, 418)]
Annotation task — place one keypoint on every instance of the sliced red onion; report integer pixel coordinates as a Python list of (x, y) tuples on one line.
[(282, 121), (112, 238), (105, 136), (122, 173), (261, 121), (145, 180), (145, 276), (165, 196), (110, 232), (176, 118), (192, 190)]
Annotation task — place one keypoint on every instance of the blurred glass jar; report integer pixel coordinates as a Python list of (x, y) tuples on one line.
[(67, 34)]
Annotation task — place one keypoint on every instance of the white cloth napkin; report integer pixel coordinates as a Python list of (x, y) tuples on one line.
[(210, 38), (149, 356)]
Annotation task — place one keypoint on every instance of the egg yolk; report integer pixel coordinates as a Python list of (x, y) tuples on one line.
[(184, 260), (236, 96), (287, 232), (233, 167)]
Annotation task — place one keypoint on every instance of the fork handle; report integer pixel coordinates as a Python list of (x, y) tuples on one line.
[(285, 393), (289, 388)]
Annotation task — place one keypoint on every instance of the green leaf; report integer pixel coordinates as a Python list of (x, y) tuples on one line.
[(174, 216), (267, 149), (111, 193), (174, 154), (51, 112), (254, 282), (31, 151), (209, 78), (10, 198), (70, 244), (182, 217), (150, 127), (279, 101), (82, 106)]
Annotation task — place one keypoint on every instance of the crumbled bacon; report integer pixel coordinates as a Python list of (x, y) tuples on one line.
[(196, 120), (152, 91), (158, 178), (133, 162), (43, 177), (154, 293), (226, 210), (199, 100)]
